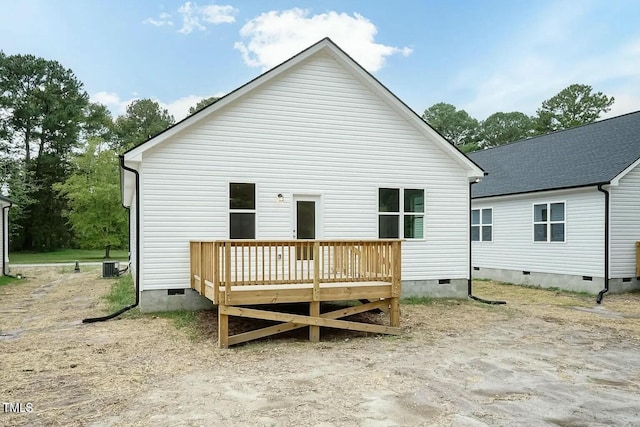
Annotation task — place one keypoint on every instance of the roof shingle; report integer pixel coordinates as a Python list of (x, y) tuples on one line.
[(582, 156)]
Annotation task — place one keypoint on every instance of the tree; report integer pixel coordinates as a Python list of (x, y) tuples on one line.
[(144, 118), (98, 123), (455, 125), (502, 128), (573, 106), (42, 107), (92, 193), (202, 104)]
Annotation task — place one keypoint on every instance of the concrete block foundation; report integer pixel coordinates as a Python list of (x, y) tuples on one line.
[(172, 300)]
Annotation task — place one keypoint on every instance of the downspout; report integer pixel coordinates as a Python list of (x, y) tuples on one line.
[(5, 239), (129, 307), (606, 244), (470, 280)]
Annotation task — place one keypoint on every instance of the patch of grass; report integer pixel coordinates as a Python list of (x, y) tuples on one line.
[(183, 319), (416, 301), (550, 289), (121, 294), (66, 255), (6, 280)]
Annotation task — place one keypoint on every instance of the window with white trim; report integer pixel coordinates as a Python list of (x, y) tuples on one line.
[(401, 213), (549, 222), (482, 225), (242, 211)]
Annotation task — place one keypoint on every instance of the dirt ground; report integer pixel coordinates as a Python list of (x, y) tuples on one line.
[(545, 358)]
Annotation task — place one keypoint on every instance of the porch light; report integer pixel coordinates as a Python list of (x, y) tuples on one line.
[(280, 198)]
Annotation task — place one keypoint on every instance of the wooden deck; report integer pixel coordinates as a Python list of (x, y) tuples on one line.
[(239, 273)]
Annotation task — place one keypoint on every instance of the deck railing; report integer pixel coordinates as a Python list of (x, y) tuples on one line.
[(226, 263)]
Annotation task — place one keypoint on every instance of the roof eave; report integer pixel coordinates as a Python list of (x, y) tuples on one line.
[(542, 190)]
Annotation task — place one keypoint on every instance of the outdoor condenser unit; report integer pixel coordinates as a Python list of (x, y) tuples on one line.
[(110, 268)]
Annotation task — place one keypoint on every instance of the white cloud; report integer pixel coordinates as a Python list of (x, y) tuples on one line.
[(163, 19), (112, 101), (217, 14), (623, 104), (196, 17), (277, 35), (178, 108)]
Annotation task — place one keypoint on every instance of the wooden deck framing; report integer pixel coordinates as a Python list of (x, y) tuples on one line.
[(239, 273)]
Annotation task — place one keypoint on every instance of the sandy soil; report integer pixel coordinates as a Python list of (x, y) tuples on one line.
[(545, 358)]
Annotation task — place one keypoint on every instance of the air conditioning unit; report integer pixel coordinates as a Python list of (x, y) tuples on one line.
[(110, 268)]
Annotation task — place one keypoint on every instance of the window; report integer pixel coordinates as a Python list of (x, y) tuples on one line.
[(548, 222), (400, 210), (482, 225), (242, 211)]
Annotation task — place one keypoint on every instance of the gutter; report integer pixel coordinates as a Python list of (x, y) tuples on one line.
[(5, 239), (470, 280), (606, 244), (129, 307)]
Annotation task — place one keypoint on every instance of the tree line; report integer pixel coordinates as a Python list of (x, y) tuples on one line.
[(59, 151), (59, 156), (575, 105)]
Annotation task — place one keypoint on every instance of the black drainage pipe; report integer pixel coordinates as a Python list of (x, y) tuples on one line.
[(129, 307), (606, 244), (470, 280)]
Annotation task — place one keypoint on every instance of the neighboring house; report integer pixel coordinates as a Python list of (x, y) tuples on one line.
[(316, 141), (5, 204), (561, 210)]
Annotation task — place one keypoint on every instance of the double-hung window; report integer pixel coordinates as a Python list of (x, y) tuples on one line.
[(401, 213), (482, 225), (549, 222), (242, 211)]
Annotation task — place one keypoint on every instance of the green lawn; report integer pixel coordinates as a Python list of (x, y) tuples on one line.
[(67, 255), (5, 280)]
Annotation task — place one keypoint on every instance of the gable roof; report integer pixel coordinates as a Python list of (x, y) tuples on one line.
[(328, 46), (596, 153)]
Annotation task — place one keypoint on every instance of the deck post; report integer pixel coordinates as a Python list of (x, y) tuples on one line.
[(396, 277), (216, 273), (316, 271), (314, 306), (314, 331), (637, 259), (192, 267), (223, 328), (203, 269), (227, 272)]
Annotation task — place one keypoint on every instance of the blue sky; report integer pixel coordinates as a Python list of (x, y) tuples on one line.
[(481, 56)]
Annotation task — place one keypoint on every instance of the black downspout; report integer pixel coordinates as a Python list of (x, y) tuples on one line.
[(470, 280), (606, 244), (129, 307), (4, 247)]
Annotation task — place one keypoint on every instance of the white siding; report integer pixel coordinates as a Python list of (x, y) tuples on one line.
[(625, 225), (315, 130), (513, 247)]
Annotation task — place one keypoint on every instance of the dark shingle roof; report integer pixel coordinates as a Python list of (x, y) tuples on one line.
[(586, 155), (6, 199)]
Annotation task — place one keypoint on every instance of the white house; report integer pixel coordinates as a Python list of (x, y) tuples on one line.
[(561, 210), (314, 148), (5, 204)]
